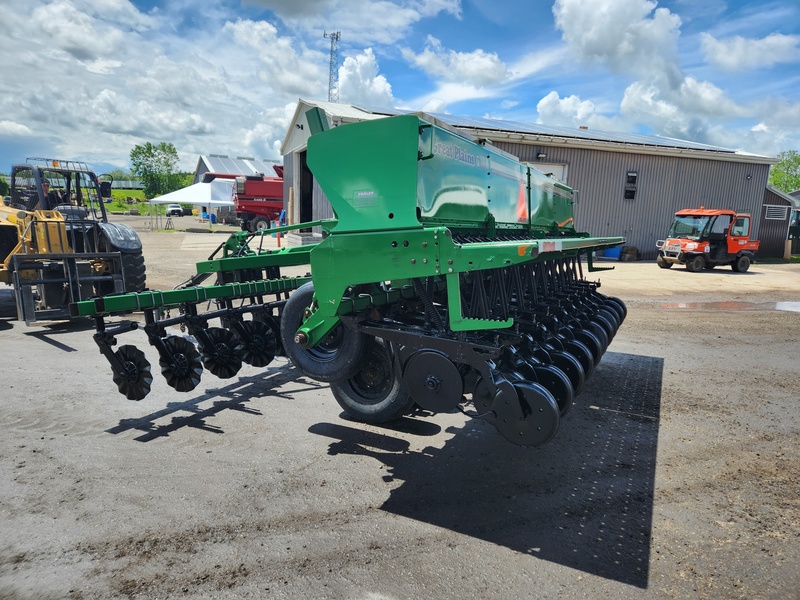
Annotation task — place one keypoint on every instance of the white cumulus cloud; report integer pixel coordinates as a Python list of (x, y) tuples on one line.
[(477, 68), (360, 83), (628, 36), (11, 128), (738, 53), (283, 63), (367, 21)]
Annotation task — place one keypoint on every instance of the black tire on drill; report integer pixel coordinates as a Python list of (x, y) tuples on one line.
[(338, 357)]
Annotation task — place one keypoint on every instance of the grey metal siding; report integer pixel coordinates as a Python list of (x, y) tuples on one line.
[(665, 184), (288, 182), (322, 208)]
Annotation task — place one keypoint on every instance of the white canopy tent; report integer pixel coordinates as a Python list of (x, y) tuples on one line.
[(215, 194)]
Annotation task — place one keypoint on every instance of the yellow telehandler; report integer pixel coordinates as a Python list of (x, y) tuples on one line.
[(57, 245)]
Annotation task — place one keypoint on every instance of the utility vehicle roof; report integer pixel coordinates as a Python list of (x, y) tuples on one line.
[(706, 212)]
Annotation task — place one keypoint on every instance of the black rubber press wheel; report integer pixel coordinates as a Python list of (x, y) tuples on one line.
[(373, 394)]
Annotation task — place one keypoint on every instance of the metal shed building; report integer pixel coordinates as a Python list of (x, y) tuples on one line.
[(628, 185), (775, 220)]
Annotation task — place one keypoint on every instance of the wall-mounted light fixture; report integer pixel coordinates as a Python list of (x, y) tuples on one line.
[(541, 155), (748, 177)]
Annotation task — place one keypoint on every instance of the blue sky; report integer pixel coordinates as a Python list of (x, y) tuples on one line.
[(89, 79)]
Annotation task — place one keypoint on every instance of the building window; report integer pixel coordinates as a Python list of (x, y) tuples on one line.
[(631, 180)]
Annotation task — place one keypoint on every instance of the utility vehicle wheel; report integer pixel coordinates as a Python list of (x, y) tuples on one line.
[(741, 264), (695, 264), (373, 394), (339, 356), (133, 268), (664, 264)]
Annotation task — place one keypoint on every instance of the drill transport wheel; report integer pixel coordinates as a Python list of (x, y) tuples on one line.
[(340, 356)]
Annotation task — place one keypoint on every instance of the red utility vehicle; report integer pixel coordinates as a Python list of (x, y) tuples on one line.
[(703, 238), (259, 199)]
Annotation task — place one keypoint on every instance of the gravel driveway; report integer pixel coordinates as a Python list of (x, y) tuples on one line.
[(677, 473)]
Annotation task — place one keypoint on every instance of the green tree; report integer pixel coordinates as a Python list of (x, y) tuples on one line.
[(785, 175), (121, 175), (156, 165), (5, 189)]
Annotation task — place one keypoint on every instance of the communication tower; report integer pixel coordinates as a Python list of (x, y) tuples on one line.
[(333, 75)]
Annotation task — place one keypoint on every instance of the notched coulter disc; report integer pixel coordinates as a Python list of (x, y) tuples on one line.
[(183, 368), (223, 357), (136, 377)]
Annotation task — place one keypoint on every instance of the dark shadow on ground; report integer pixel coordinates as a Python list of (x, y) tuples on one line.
[(50, 332), (193, 412), (585, 500)]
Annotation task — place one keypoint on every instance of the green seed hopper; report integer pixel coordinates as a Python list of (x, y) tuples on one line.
[(452, 277)]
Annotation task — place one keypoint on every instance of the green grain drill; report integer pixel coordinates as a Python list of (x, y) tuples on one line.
[(451, 278)]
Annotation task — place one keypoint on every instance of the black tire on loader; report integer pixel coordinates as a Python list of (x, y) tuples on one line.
[(134, 268), (663, 263)]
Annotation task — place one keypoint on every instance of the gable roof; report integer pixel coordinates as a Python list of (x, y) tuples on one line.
[(793, 198)]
